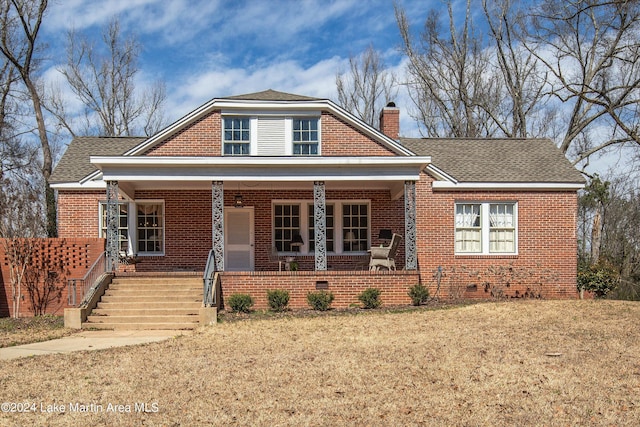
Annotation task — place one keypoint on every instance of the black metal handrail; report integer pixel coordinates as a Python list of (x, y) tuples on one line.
[(210, 282)]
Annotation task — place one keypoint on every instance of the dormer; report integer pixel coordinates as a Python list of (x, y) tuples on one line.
[(271, 134)]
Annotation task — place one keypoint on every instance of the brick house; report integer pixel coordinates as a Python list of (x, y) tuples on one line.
[(269, 172)]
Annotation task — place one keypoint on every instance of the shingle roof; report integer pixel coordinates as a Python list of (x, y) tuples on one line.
[(74, 164), (497, 160), (271, 95)]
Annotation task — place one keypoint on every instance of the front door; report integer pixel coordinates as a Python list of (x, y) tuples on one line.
[(238, 239)]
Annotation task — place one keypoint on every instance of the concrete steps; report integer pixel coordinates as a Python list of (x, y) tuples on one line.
[(149, 302)]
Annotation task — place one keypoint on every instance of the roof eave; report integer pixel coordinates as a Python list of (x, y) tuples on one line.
[(559, 186)]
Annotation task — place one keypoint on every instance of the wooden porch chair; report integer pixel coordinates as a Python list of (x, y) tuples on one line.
[(275, 258), (385, 256)]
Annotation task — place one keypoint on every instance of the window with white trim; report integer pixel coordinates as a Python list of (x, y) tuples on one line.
[(305, 137), (468, 230), (286, 224), (237, 136), (486, 228), (355, 227), (347, 226), (502, 228), (150, 229), (123, 224)]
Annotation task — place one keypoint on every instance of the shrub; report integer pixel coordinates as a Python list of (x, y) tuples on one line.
[(599, 279), (370, 298), (320, 301), (240, 303), (419, 294), (278, 299)]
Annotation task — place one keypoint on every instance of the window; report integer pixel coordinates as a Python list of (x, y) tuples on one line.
[(329, 228), (236, 136), (355, 227), (286, 224), (468, 231), (123, 225), (486, 228), (347, 226), (502, 230), (150, 228), (305, 137)]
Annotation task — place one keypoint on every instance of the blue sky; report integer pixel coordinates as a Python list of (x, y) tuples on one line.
[(206, 48), (203, 49)]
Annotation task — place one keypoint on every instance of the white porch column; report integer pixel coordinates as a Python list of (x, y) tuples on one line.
[(112, 226), (410, 250), (320, 225), (217, 222)]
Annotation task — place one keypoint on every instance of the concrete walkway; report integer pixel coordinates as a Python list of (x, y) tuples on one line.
[(88, 340)]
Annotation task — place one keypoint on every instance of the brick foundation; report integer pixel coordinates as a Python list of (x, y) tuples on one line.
[(345, 285)]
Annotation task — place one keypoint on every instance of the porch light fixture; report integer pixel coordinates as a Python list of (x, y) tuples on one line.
[(238, 201)]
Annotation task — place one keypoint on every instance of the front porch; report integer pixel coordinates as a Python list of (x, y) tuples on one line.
[(325, 212)]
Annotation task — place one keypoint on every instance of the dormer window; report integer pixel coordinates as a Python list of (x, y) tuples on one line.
[(305, 137), (237, 136)]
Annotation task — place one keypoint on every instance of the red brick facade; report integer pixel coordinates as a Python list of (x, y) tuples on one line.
[(345, 286), (546, 263), (78, 255), (544, 266)]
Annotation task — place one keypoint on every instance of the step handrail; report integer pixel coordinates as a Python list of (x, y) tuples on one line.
[(88, 283), (211, 282)]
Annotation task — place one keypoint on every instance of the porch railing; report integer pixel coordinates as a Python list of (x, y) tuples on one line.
[(211, 282), (86, 285)]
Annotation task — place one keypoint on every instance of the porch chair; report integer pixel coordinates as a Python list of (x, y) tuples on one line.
[(274, 257), (384, 256)]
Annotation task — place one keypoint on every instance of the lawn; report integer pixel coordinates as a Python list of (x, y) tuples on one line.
[(26, 330), (494, 364)]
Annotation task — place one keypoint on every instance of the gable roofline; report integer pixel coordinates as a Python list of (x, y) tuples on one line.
[(270, 101)]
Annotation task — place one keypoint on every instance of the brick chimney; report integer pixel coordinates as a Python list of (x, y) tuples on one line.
[(390, 121)]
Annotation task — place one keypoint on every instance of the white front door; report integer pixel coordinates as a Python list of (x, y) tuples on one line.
[(238, 239)]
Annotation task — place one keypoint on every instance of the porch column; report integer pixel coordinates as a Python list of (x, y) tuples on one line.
[(112, 226), (410, 252), (217, 213), (320, 225)]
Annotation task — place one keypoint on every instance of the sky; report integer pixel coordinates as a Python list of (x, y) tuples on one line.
[(204, 49)]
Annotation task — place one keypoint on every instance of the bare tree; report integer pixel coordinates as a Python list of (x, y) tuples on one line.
[(20, 22), (521, 112), (592, 50), (620, 243), (45, 277), (448, 79), (104, 81), (367, 87), (467, 85), (21, 219)]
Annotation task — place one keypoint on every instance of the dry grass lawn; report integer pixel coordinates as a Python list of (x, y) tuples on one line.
[(27, 330), (495, 364)]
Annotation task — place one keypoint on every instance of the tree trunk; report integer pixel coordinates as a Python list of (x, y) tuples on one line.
[(596, 236), (47, 160)]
